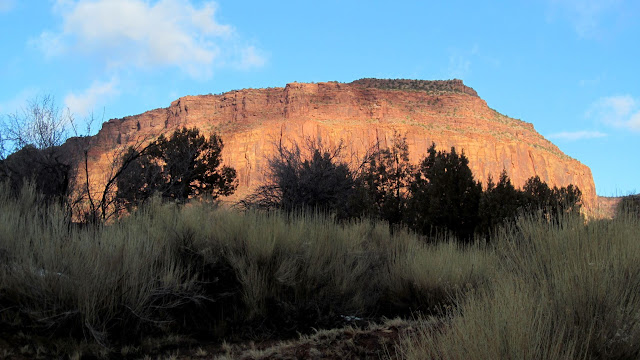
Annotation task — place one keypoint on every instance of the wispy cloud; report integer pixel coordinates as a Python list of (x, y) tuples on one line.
[(461, 61), (621, 111), (591, 82), (84, 103), (145, 34), (576, 135), (250, 57), (459, 66), (588, 17), (51, 44), (634, 121), (6, 5)]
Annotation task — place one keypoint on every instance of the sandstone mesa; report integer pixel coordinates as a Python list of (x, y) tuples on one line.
[(360, 114)]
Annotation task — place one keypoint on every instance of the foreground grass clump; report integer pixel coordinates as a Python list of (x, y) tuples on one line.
[(563, 290), (199, 269), (93, 283)]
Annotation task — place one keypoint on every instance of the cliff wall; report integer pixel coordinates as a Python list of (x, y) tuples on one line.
[(359, 114)]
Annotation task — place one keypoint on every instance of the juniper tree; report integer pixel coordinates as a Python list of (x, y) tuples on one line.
[(178, 167), (444, 195), (383, 185)]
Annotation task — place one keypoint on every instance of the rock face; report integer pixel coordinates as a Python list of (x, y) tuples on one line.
[(606, 207), (359, 114)]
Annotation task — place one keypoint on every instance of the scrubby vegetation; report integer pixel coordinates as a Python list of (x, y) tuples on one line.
[(629, 205), (438, 195), (433, 86)]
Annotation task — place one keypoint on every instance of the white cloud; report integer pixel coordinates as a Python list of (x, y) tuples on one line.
[(634, 122), (620, 105), (6, 5), (587, 16), (250, 57), (576, 135), (622, 111), (144, 34), (84, 103)]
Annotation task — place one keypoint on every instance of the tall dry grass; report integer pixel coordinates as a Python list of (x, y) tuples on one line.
[(167, 269), (563, 290), (57, 278), (541, 290)]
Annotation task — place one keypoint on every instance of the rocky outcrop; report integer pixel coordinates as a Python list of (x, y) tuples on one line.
[(358, 114)]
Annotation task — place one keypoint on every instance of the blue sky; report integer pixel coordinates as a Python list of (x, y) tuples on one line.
[(570, 67)]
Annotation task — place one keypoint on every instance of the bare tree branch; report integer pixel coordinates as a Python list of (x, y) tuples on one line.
[(41, 124)]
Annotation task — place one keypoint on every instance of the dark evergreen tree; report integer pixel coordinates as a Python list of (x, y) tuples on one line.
[(537, 194), (502, 202), (383, 185), (499, 203), (444, 195), (566, 199), (191, 166), (180, 167), (44, 168), (137, 183), (322, 184)]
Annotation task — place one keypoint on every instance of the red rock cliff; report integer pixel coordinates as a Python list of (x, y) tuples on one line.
[(360, 114)]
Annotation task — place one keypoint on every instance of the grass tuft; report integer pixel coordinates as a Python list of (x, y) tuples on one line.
[(563, 290)]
